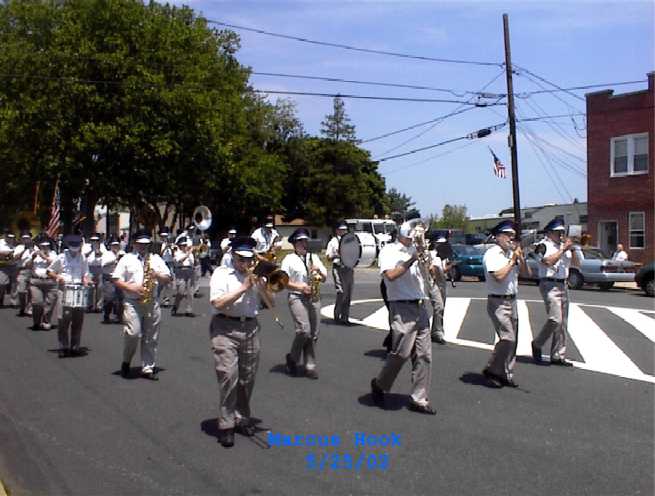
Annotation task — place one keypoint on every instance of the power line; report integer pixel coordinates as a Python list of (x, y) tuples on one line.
[(523, 69), (366, 97), (456, 93), (553, 125), (478, 134), (353, 48), (442, 154), (527, 94)]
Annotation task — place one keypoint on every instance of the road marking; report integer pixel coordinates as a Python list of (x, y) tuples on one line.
[(636, 319), (453, 317), (597, 349), (525, 330), (379, 319)]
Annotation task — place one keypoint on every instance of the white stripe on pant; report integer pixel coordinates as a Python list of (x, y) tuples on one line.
[(141, 326), (410, 327)]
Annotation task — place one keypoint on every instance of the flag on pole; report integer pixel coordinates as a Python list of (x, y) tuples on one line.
[(499, 168), (53, 225)]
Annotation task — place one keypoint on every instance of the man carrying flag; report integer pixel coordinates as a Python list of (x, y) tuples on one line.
[(499, 168)]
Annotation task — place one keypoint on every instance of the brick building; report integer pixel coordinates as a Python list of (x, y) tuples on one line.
[(620, 172)]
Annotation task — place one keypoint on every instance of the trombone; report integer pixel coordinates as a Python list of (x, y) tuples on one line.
[(276, 281)]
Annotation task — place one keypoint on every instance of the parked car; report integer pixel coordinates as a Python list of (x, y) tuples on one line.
[(644, 278), (595, 268), (468, 261)]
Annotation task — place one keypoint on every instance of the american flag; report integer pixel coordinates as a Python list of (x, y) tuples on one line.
[(53, 225), (499, 168)]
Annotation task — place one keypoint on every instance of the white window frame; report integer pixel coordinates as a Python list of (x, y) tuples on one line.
[(643, 216), (630, 138)]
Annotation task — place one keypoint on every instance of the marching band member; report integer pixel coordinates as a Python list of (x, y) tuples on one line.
[(112, 297), (6, 268), (438, 294), (234, 336), (203, 255), (267, 238), (304, 304), (70, 267), (184, 261), (502, 264), (94, 259), (410, 323), (555, 258), (22, 256), (343, 277), (226, 248), (141, 318), (167, 255), (43, 289)]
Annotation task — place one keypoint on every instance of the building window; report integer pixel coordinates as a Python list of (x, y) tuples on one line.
[(637, 223), (629, 155), (583, 219)]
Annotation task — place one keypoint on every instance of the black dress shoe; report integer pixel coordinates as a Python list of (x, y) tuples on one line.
[(151, 376), (174, 311), (426, 409), (377, 393), (493, 379), (245, 430), (77, 352), (510, 383), (438, 339), (562, 362), (125, 370), (292, 368), (190, 314), (536, 353), (63, 353), (226, 437), (311, 374)]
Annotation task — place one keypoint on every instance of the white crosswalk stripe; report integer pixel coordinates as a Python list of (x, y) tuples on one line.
[(598, 351)]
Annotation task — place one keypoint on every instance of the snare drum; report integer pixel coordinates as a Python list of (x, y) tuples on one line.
[(76, 296)]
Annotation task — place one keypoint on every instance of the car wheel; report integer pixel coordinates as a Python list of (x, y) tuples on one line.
[(606, 286), (481, 278), (575, 280), (649, 287)]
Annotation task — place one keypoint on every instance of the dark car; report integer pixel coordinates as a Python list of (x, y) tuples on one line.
[(644, 278), (468, 261)]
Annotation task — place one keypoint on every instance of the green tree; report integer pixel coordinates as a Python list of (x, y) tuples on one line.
[(453, 216), (337, 126), (400, 205)]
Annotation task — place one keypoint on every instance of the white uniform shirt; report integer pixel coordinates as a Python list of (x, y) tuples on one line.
[(227, 280), (204, 253), (561, 268), (495, 259), (5, 248), (187, 262), (619, 256), (94, 260), (108, 262), (298, 268), (25, 257), (225, 244), (409, 286), (167, 252), (265, 239), (226, 261), (41, 263), (72, 268), (332, 250), (129, 269)]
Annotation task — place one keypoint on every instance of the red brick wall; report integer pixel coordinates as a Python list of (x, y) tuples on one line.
[(612, 198)]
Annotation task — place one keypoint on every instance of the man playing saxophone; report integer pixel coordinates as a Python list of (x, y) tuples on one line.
[(306, 272), (138, 274)]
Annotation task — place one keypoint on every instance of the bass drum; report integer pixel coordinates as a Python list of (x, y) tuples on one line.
[(369, 249), (357, 249)]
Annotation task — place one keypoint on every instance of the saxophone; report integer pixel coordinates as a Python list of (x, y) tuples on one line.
[(149, 282), (315, 280), (423, 254)]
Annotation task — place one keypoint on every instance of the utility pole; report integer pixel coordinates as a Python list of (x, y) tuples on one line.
[(512, 128)]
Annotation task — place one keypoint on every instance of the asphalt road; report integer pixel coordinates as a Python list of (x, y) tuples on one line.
[(74, 426)]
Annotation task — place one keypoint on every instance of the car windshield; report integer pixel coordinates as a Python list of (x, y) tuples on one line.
[(378, 228), (466, 250), (593, 254)]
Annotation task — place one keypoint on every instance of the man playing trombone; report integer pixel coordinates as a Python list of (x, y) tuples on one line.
[(233, 294), (268, 240)]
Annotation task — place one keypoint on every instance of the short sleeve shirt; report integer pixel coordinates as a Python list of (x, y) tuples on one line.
[(409, 286), (129, 269), (41, 263), (226, 280), (495, 259), (187, 262), (264, 239), (560, 270), (72, 268), (298, 267), (332, 250)]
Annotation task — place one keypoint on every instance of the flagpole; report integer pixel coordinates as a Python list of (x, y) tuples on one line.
[(512, 128)]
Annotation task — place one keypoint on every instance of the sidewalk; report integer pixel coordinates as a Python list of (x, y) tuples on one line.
[(627, 285)]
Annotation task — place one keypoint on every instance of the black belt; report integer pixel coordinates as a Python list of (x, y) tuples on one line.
[(239, 319), (503, 297), (413, 302), (552, 279)]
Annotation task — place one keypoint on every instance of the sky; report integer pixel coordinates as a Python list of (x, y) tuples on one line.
[(569, 43)]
